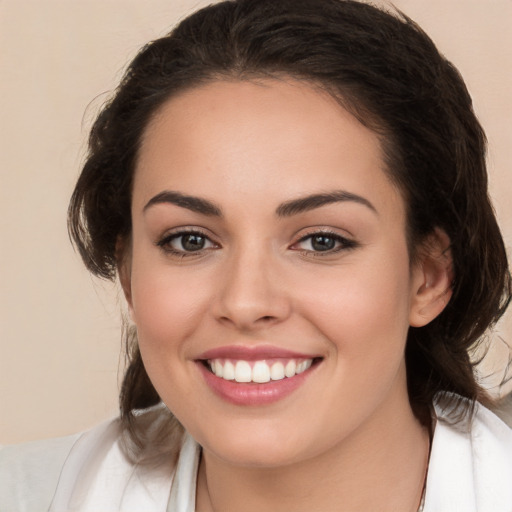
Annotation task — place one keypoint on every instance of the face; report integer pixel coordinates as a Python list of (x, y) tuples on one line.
[(269, 276)]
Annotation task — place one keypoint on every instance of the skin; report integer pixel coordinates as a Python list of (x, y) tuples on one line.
[(248, 148)]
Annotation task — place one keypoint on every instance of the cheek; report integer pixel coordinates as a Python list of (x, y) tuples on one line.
[(167, 306), (363, 311)]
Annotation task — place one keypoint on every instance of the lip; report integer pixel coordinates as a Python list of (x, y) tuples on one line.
[(256, 353), (251, 393)]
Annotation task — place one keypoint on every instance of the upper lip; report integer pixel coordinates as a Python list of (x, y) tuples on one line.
[(253, 353)]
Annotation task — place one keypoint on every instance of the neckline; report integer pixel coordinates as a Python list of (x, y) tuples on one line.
[(182, 497)]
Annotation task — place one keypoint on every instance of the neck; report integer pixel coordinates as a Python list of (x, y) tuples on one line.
[(381, 467)]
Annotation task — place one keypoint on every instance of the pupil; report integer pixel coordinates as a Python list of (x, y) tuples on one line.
[(192, 242), (323, 243)]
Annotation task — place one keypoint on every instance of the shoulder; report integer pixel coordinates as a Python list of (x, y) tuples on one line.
[(98, 470), (29, 473), (91, 471), (33, 474), (491, 441), (491, 435), (470, 464)]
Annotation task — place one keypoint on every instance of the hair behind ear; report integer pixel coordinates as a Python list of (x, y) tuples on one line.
[(438, 351), (124, 263), (137, 391)]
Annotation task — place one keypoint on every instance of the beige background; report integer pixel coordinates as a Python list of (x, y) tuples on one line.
[(59, 332)]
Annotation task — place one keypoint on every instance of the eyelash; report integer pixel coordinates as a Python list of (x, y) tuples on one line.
[(344, 244), (165, 243)]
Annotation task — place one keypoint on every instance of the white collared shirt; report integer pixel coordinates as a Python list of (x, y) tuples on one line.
[(470, 470)]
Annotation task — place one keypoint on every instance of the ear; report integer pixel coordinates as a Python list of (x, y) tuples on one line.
[(432, 278), (124, 270)]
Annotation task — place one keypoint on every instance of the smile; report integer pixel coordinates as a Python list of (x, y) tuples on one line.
[(259, 372), (255, 376)]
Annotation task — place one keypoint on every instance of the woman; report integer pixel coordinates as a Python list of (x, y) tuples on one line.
[(294, 197)]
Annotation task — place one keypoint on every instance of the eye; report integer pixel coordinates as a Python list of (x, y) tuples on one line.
[(186, 242), (324, 242)]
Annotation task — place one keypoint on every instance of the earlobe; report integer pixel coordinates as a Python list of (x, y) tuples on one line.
[(432, 279)]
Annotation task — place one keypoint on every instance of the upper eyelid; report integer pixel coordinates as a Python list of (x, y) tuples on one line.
[(346, 242), (314, 230), (306, 233), (336, 236), (184, 230), (164, 243)]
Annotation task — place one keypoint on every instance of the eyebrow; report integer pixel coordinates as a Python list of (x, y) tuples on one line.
[(286, 209), (195, 204), (313, 201)]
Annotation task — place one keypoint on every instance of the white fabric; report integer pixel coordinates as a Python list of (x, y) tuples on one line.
[(470, 470), (470, 467), (183, 491), (29, 473), (97, 476)]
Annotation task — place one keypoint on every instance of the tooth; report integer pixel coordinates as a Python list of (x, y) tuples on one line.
[(300, 367), (290, 368), (260, 372), (217, 365), (277, 371), (309, 362), (243, 372), (229, 371)]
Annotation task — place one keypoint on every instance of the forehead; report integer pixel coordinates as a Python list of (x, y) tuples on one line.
[(273, 137)]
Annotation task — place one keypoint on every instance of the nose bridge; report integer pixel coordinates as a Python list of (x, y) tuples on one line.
[(251, 293)]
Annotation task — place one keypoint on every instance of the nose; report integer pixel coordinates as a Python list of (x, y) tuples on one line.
[(252, 294)]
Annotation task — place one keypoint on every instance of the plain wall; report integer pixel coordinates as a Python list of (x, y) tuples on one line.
[(60, 338)]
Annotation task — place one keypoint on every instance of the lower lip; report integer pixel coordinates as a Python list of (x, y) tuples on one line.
[(253, 393)]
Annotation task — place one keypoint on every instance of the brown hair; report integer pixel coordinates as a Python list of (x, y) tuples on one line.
[(386, 71)]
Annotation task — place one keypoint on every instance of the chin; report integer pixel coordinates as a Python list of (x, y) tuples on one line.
[(257, 448)]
